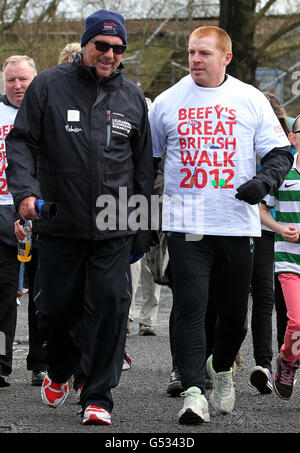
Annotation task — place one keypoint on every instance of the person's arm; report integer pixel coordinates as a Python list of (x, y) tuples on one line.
[(275, 165), (273, 148), (22, 147), (288, 232), (19, 230), (141, 144)]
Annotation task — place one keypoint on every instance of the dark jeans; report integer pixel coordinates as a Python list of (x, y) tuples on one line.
[(64, 267), (263, 299), (191, 264), (36, 358), (9, 273)]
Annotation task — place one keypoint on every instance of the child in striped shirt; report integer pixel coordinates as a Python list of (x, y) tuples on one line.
[(287, 264)]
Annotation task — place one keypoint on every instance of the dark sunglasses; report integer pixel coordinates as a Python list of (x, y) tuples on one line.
[(103, 46), (296, 132)]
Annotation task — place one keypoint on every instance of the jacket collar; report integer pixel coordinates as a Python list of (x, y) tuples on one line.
[(5, 101)]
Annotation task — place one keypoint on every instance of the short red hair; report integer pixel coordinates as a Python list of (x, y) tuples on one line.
[(224, 42)]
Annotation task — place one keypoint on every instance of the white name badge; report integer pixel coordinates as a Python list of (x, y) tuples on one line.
[(73, 115)]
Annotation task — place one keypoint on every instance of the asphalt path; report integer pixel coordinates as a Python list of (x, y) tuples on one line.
[(143, 411)]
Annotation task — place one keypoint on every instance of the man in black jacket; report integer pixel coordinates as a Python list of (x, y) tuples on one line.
[(82, 140)]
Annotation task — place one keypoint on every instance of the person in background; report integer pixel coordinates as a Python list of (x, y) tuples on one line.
[(68, 53), (18, 72), (262, 285), (150, 298), (140, 271), (287, 265)]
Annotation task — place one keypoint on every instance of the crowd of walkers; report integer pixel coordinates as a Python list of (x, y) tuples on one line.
[(225, 157)]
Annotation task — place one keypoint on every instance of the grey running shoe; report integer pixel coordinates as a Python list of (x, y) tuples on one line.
[(261, 378), (175, 387), (195, 408), (222, 396)]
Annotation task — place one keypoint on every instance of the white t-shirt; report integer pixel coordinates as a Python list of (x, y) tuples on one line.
[(211, 137), (7, 119)]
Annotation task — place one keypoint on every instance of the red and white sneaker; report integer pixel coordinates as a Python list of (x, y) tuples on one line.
[(94, 415), (53, 393)]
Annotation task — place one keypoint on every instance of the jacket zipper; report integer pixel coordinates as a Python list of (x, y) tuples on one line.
[(108, 128)]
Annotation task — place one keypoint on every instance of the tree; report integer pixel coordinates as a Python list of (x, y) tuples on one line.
[(237, 18), (241, 18), (12, 11)]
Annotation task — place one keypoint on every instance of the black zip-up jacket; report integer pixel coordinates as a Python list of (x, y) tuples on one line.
[(76, 139)]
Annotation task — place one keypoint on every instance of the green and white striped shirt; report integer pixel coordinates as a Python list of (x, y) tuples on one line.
[(286, 201)]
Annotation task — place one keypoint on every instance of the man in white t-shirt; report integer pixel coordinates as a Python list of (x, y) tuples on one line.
[(18, 72), (211, 126)]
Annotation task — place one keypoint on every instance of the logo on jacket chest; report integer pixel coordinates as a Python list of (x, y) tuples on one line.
[(121, 127), (70, 128), (74, 117)]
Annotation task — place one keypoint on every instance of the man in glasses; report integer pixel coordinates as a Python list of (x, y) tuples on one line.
[(104, 52), (82, 139)]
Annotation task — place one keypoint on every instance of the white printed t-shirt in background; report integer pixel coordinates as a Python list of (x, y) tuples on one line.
[(7, 119)]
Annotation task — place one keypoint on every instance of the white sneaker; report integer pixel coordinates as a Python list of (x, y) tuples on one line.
[(53, 393), (261, 378), (95, 415), (222, 396), (195, 408)]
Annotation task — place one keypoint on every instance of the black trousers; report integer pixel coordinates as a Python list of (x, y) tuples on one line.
[(9, 273), (210, 318), (191, 263), (82, 338), (36, 358), (263, 299), (65, 265)]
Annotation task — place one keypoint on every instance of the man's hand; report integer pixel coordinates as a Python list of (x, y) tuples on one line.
[(19, 230), (252, 191), (26, 208)]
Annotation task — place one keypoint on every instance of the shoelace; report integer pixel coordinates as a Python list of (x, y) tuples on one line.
[(189, 394), (224, 383), (288, 371)]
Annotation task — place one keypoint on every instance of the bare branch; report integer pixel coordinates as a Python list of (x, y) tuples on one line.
[(278, 34), (16, 17), (261, 13), (49, 12)]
